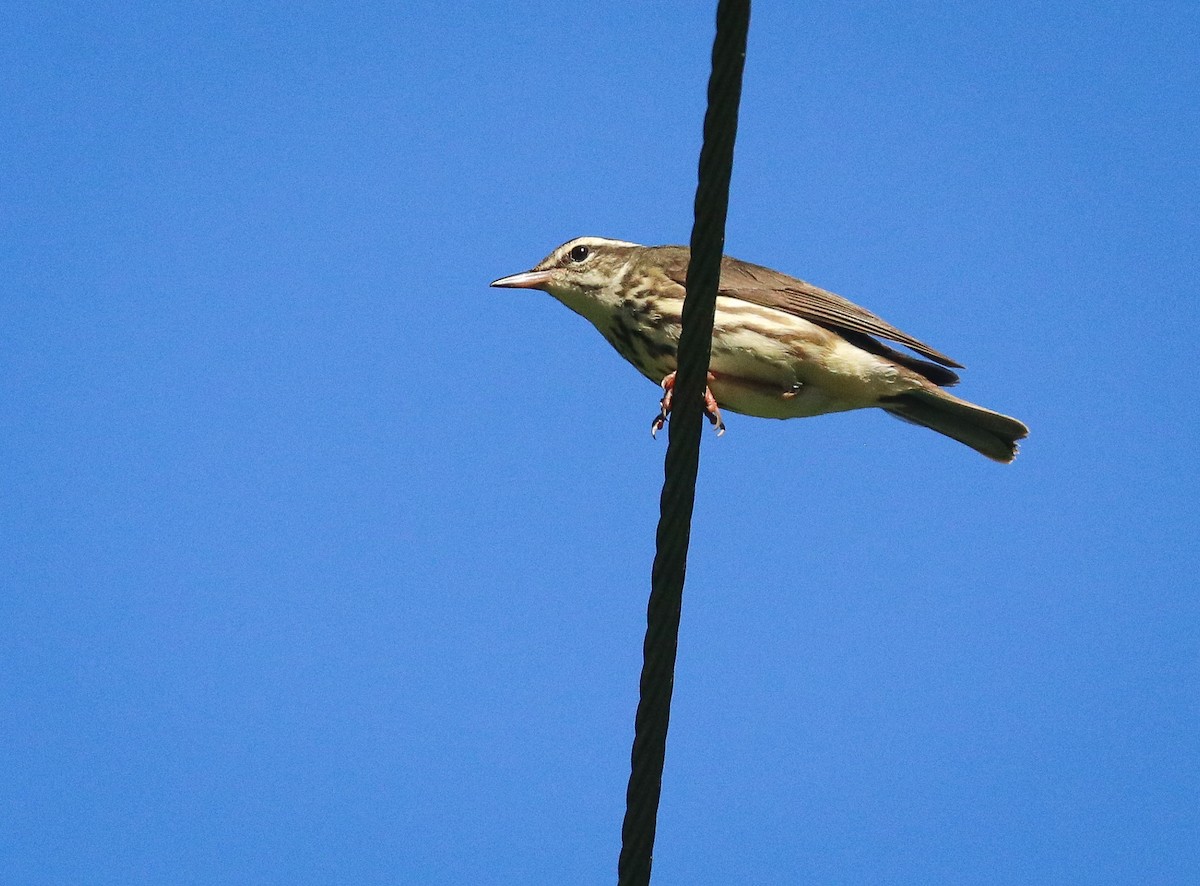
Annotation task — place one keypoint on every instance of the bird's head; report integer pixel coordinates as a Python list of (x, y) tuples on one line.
[(580, 270)]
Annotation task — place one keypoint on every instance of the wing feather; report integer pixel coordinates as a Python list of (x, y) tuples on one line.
[(771, 289)]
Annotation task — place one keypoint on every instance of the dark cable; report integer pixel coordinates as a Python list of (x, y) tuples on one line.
[(683, 448)]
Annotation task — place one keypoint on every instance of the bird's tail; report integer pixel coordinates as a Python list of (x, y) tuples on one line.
[(988, 432)]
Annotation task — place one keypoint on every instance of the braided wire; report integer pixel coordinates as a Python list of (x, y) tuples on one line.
[(683, 448)]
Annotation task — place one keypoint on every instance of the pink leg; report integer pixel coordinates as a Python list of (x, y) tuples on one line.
[(710, 407)]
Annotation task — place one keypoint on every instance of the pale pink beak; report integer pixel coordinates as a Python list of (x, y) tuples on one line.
[(526, 280)]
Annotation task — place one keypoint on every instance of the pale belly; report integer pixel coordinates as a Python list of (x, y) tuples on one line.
[(770, 364), (767, 363)]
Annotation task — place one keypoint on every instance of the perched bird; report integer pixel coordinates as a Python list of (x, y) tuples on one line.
[(781, 348)]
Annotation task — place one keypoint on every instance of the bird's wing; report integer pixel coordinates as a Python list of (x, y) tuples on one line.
[(771, 289)]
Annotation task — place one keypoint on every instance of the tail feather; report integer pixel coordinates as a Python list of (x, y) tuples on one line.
[(987, 432)]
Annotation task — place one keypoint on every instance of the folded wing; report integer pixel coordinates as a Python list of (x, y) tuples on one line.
[(771, 289)]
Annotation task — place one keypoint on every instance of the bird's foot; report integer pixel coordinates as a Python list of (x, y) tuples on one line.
[(711, 410)]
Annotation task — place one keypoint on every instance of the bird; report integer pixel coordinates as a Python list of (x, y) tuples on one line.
[(781, 347)]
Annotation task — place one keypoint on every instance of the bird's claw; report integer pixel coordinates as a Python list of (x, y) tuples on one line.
[(711, 410)]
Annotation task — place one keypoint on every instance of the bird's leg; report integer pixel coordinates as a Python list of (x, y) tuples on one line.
[(664, 405), (711, 410)]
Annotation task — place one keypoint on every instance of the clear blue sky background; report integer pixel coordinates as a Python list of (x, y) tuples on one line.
[(321, 562)]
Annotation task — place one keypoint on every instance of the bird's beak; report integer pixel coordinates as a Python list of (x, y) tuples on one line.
[(527, 280)]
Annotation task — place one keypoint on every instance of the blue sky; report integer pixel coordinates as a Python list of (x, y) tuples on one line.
[(321, 562)]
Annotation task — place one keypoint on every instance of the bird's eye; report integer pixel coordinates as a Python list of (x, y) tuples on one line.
[(579, 253)]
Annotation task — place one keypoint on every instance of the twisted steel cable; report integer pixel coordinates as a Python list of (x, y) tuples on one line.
[(683, 448)]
